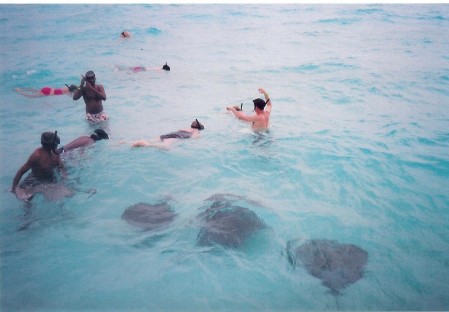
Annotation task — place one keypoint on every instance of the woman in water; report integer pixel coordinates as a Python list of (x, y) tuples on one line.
[(164, 141), (136, 69), (46, 91)]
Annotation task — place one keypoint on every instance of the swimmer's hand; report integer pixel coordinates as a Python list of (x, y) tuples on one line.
[(83, 80), (237, 108), (22, 193)]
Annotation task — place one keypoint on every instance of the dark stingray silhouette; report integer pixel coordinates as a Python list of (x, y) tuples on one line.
[(149, 216), (227, 224), (336, 265)]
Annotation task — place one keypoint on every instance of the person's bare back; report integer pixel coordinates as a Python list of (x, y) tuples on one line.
[(261, 119)]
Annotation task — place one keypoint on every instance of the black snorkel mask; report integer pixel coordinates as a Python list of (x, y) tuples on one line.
[(199, 126), (56, 141)]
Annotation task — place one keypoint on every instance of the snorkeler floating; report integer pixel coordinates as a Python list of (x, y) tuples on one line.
[(84, 140), (165, 140), (137, 69), (46, 91), (262, 111)]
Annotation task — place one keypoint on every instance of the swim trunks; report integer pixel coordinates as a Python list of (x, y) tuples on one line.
[(97, 117), (181, 134), (46, 90)]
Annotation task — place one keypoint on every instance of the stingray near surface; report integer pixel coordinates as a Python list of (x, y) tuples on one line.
[(51, 191), (336, 265), (228, 225), (149, 216)]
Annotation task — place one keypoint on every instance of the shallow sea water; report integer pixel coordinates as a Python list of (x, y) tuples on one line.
[(357, 151)]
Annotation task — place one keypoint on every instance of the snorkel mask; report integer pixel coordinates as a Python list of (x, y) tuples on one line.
[(199, 126), (50, 141)]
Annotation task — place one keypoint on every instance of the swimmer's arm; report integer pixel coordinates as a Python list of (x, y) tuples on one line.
[(241, 115), (100, 92), (79, 92), (27, 166), (267, 100)]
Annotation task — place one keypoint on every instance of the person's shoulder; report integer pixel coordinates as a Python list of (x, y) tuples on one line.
[(36, 154)]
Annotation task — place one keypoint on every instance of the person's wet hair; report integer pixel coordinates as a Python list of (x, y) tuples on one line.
[(259, 103), (166, 67), (50, 140)]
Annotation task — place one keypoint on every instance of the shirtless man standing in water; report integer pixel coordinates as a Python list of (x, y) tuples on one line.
[(43, 162), (262, 111), (93, 95)]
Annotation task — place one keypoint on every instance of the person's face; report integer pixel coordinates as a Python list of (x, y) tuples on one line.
[(91, 80)]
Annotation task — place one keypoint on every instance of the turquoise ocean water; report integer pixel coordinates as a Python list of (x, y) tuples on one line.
[(357, 152)]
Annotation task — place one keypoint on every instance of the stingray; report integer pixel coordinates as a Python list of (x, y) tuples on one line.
[(336, 265), (149, 216), (51, 191), (226, 224)]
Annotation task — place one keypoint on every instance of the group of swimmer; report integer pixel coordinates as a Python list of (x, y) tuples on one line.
[(45, 160)]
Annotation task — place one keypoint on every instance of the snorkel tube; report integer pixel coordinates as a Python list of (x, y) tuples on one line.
[(199, 126), (56, 141)]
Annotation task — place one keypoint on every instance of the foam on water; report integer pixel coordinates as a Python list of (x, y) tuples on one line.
[(357, 152)]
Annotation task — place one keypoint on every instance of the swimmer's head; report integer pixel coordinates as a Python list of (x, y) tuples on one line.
[(259, 103), (166, 67), (72, 87), (99, 134), (50, 140), (90, 75), (125, 34), (196, 125)]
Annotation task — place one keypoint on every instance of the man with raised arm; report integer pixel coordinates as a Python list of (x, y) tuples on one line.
[(93, 95), (262, 109)]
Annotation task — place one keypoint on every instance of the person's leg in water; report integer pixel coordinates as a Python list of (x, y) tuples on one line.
[(162, 144)]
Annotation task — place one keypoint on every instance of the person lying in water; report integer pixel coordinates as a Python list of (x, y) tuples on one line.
[(165, 140), (262, 109), (136, 69), (84, 140), (43, 162), (46, 91)]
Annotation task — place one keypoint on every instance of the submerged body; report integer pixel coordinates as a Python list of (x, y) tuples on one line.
[(164, 141), (46, 91)]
